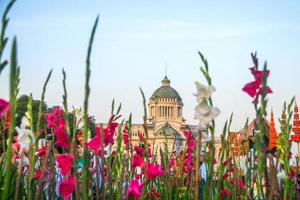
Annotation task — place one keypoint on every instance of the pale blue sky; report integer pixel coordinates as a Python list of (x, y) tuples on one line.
[(135, 38)]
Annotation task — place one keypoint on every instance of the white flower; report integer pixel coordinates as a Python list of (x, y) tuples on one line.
[(79, 118), (25, 136), (203, 112), (203, 91), (25, 122), (281, 175)]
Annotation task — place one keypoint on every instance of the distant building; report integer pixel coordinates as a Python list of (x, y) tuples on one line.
[(165, 122)]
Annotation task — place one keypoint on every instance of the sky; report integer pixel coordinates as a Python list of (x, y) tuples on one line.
[(135, 40)]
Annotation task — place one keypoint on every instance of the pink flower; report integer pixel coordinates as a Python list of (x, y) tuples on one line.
[(66, 187), (38, 174), (125, 137), (65, 163), (95, 145), (141, 136), (42, 151), (137, 161), (135, 188), (62, 139), (4, 105), (139, 150), (188, 162), (254, 88), (153, 171), (108, 133), (291, 173), (225, 193), (242, 184)]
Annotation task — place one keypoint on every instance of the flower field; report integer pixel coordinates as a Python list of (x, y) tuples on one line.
[(59, 153)]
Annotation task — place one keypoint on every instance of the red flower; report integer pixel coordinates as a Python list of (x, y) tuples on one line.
[(62, 139), (188, 162), (242, 184), (139, 150), (153, 171), (53, 119), (66, 187), (154, 194), (42, 151), (95, 145), (3, 106), (125, 137), (225, 193), (226, 175), (254, 88), (291, 173), (141, 136), (38, 174), (137, 161), (65, 162), (135, 188)]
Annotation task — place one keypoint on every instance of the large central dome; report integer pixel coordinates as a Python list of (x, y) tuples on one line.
[(166, 91)]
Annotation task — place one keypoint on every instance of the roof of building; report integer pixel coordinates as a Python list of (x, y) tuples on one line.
[(166, 91), (168, 130)]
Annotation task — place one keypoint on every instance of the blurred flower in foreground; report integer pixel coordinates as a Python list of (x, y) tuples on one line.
[(204, 113), (3, 106), (135, 188), (66, 187)]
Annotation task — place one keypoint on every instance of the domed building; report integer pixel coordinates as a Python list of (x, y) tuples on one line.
[(165, 122)]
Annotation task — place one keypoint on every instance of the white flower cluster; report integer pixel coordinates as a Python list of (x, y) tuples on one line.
[(203, 112), (25, 136)]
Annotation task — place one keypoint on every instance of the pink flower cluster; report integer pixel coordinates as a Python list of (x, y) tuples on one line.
[(108, 137), (56, 122), (188, 161), (65, 161), (151, 171)]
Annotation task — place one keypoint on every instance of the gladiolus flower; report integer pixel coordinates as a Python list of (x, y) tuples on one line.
[(139, 150), (141, 136), (3, 106), (125, 137), (65, 163), (25, 136), (135, 188), (62, 139), (254, 88), (95, 145), (137, 161), (291, 173), (66, 187), (204, 113), (241, 184), (225, 192), (38, 174), (153, 171)]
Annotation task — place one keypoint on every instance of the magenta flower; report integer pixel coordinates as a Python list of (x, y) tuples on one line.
[(153, 171), (135, 188), (62, 139), (66, 187), (125, 137), (254, 88), (137, 161), (95, 145), (65, 163), (3, 106)]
